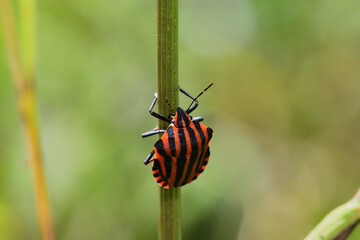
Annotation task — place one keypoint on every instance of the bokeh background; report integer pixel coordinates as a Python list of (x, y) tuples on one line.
[(285, 110)]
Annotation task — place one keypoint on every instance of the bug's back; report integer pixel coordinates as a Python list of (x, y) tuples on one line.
[(181, 154)]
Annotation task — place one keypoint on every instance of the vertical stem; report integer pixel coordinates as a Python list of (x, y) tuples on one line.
[(170, 214), (23, 73), (167, 70)]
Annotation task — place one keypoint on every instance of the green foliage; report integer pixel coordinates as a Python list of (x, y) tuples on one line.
[(339, 223)]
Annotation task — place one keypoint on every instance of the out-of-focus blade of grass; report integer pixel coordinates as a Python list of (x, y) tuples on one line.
[(27, 19), (23, 72), (11, 43), (339, 223), (167, 65)]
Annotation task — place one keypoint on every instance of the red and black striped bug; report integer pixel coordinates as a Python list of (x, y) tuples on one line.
[(182, 153)]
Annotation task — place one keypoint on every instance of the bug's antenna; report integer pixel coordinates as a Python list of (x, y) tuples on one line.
[(199, 95), (167, 101)]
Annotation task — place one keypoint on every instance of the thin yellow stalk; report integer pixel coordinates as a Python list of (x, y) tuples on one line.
[(167, 60), (23, 74)]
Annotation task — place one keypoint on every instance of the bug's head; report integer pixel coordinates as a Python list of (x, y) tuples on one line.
[(181, 118)]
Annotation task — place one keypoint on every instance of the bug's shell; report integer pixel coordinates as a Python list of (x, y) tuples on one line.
[(182, 153)]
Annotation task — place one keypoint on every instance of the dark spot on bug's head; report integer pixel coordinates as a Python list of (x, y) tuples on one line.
[(182, 119)]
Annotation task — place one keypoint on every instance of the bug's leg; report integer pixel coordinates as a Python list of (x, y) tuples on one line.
[(195, 102), (197, 119), (148, 158), (192, 106), (152, 132), (157, 115)]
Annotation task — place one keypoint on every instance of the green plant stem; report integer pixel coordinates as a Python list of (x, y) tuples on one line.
[(339, 223), (23, 73), (167, 70)]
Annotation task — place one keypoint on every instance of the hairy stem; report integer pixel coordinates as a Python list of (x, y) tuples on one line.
[(23, 74), (167, 75), (339, 223)]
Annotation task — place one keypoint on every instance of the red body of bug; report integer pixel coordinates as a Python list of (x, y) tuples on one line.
[(182, 153)]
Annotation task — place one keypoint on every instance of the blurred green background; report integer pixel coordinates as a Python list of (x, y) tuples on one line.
[(285, 110)]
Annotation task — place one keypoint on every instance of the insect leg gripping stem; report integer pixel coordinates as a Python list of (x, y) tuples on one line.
[(152, 132), (193, 105), (148, 158), (157, 115), (197, 119)]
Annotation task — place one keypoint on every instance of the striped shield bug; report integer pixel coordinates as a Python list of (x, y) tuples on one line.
[(182, 152)]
